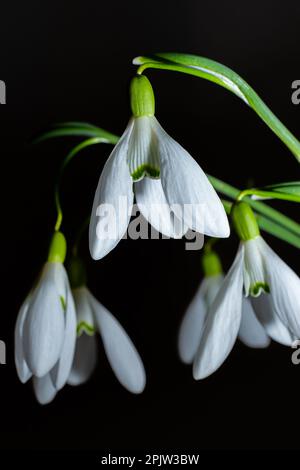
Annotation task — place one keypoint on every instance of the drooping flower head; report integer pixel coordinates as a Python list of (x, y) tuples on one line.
[(171, 190), (272, 286), (93, 318), (45, 331), (192, 326)]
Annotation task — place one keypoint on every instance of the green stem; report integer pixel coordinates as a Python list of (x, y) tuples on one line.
[(273, 214), (269, 195), (69, 157), (270, 226), (227, 78)]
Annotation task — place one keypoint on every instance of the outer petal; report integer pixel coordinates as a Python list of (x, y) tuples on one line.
[(61, 371), (113, 201), (191, 328), (251, 332), (188, 190), (285, 289), (153, 205), (263, 307), (23, 371), (121, 353), (85, 359), (44, 389), (223, 322), (193, 321), (211, 287), (43, 331)]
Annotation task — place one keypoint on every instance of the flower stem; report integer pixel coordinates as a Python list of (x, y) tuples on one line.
[(66, 161), (273, 214), (227, 78), (269, 195), (269, 226)]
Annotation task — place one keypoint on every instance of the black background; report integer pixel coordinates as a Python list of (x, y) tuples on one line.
[(72, 61)]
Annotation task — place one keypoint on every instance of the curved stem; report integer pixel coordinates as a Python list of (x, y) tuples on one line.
[(273, 214), (69, 157), (270, 226), (269, 195), (227, 78)]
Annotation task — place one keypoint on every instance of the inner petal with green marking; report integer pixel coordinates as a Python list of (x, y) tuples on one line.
[(84, 327), (255, 276), (143, 153)]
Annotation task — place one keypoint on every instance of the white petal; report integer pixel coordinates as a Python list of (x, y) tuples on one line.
[(284, 289), (273, 326), (143, 152), (85, 359), (44, 389), (211, 287), (193, 321), (120, 351), (113, 201), (84, 313), (223, 322), (61, 370), (43, 331), (153, 205), (188, 190), (23, 371), (251, 332), (191, 328)]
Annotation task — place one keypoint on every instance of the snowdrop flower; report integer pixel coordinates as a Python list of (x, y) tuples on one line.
[(171, 190), (273, 288), (45, 331), (251, 332), (93, 317)]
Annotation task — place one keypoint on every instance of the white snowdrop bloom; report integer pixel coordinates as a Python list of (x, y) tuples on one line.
[(272, 286), (92, 318), (45, 331), (171, 190), (251, 332)]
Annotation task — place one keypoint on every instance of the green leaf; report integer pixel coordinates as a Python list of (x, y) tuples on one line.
[(291, 187), (220, 74), (78, 129)]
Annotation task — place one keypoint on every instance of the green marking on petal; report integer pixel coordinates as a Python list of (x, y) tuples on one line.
[(85, 327), (257, 288), (63, 303), (145, 170)]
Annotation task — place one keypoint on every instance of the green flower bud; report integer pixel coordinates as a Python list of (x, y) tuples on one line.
[(141, 97), (211, 263), (77, 272), (244, 221), (58, 248)]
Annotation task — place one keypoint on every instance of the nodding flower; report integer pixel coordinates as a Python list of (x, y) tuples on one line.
[(171, 190)]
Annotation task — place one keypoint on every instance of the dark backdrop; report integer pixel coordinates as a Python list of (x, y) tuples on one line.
[(72, 61)]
